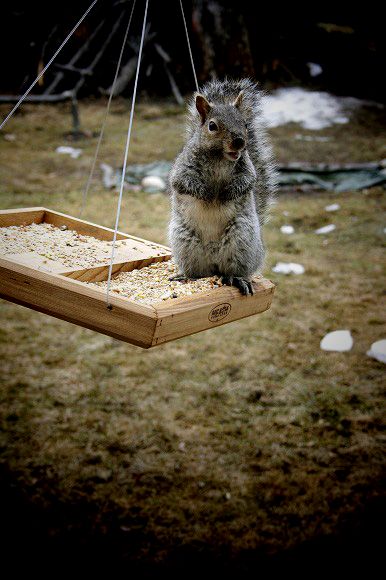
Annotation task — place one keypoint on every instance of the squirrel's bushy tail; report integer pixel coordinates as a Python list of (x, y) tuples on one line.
[(259, 148)]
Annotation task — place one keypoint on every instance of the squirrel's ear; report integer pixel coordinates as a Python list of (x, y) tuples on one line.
[(238, 100), (202, 106)]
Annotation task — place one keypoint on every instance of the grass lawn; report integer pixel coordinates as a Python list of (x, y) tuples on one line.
[(228, 449)]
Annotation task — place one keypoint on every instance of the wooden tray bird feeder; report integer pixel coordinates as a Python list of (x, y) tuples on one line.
[(48, 286)]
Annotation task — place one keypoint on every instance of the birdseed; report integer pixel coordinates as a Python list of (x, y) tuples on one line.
[(146, 285), (151, 284), (68, 247)]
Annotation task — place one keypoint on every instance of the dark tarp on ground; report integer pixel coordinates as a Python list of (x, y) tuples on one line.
[(329, 177)]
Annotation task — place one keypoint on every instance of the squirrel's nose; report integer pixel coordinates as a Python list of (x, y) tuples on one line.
[(238, 143)]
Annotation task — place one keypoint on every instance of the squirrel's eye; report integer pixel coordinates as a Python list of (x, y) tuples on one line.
[(212, 126)]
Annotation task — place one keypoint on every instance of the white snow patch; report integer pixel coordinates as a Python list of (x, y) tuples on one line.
[(326, 229), (311, 109), (74, 153), (287, 230), (337, 341), (332, 207), (288, 268), (378, 350)]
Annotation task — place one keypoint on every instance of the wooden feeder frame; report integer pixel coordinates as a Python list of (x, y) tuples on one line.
[(47, 286)]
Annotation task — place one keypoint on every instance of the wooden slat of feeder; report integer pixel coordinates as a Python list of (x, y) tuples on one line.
[(188, 315), (78, 303), (35, 260), (21, 217)]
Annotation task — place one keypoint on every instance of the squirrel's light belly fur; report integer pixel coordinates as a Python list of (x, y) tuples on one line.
[(221, 184), (209, 220), (216, 238)]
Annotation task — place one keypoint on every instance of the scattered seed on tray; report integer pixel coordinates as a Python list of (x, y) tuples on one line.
[(151, 284), (73, 250), (60, 244)]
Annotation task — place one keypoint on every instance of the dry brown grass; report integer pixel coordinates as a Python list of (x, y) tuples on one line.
[(221, 449)]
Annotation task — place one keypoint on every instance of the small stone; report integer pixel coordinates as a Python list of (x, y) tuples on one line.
[(287, 229), (326, 229), (332, 207), (378, 351), (337, 341)]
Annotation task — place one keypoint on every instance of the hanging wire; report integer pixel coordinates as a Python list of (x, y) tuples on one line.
[(125, 158), (47, 65), (189, 47), (91, 175)]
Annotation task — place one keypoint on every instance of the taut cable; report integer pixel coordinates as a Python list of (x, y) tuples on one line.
[(91, 175), (189, 47), (125, 158)]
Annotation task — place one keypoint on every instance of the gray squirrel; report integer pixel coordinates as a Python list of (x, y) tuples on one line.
[(221, 185)]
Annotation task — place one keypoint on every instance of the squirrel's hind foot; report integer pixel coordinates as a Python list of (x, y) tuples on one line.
[(245, 286), (181, 278)]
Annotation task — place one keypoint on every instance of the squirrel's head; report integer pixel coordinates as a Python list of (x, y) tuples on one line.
[(223, 127)]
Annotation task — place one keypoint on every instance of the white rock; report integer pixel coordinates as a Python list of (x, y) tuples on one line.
[(153, 181), (332, 207), (287, 229), (315, 69), (326, 229), (288, 268), (337, 341), (74, 153), (378, 350)]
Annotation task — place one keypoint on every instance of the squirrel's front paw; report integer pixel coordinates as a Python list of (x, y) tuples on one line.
[(245, 286)]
